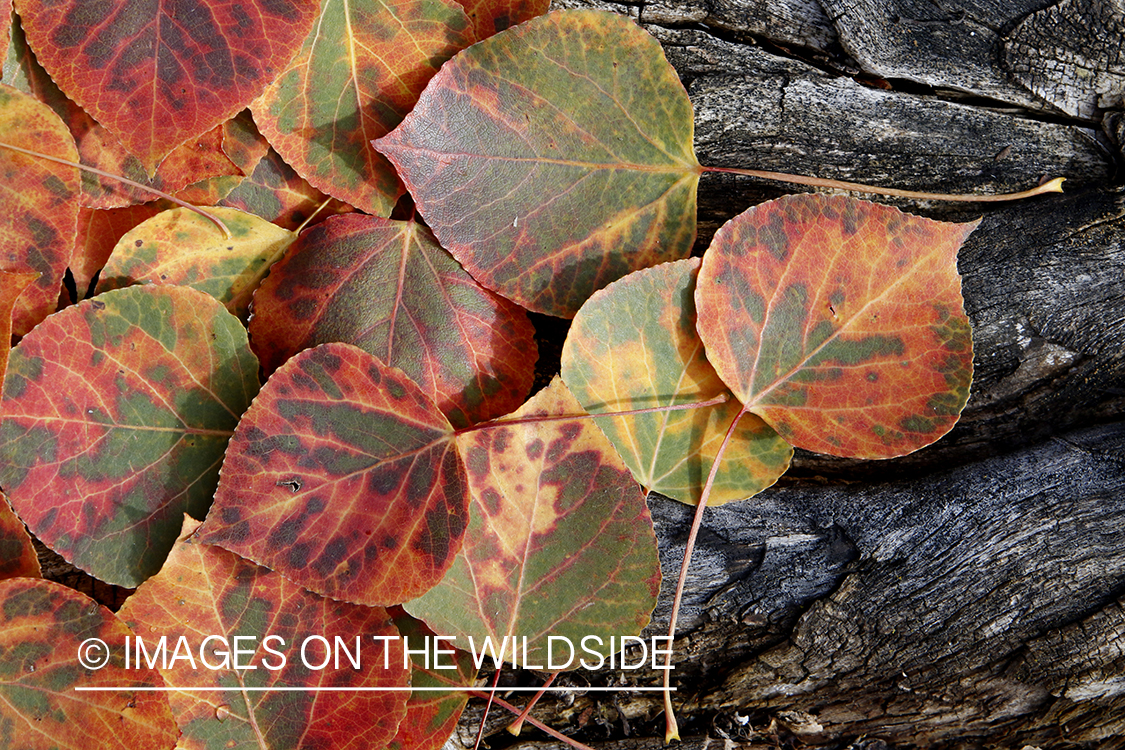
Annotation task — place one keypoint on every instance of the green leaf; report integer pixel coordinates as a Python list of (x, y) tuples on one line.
[(633, 345), (840, 323), (205, 591), (386, 287), (554, 158), (560, 540), (39, 210), (116, 413), (44, 630), (358, 73), (157, 74), (343, 477), (181, 247)]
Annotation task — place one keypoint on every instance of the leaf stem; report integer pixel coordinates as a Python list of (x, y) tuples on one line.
[(722, 398), (672, 729), (517, 725), (533, 721), (1051, 186), (132, 183)]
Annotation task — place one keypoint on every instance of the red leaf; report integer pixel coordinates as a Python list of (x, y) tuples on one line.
[(115, 415), (840, 323), (39, 210), (45, 628), (157, 74), (386, 287), (205, 591), (343, 477)]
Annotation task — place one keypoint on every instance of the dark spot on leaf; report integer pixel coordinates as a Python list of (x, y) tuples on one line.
[(491, 500), (535, 449), (334, 553), (230, 515), (389, 542), (299, 556)]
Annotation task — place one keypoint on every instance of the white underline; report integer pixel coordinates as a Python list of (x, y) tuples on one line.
[(373, 689)]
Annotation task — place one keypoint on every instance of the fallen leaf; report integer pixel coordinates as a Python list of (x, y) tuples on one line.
[(840, 323), (554, 158), (116, 413), (343, 477)]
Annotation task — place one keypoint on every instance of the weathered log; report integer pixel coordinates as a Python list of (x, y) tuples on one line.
[(971, 594)]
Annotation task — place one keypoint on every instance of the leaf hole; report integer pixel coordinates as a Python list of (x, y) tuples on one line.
[(294, 484)]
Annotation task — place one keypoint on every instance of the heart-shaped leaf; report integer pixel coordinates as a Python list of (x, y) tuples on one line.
[(560, 540), (386, 287), (633, 345), (181, 247), (204, 592), (39, 210), (344, 478), (156, 74), (116, 413), (358, 73), (45, 630), (839, 322), (554, 158)]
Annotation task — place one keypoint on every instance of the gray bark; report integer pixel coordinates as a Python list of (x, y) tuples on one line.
[(972, 594)]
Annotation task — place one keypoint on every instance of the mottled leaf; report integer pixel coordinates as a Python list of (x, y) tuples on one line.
[(431, 715), (44, 628), (840, 323), (206, 591), (38, 203), (492, 16), (99, 231), (344, 478), (554, 158), (181, 247), (17, 554), (560, 540), (157, 74), (633, 345), (386, 287), (278, 194), (359, 72), (116, 413)]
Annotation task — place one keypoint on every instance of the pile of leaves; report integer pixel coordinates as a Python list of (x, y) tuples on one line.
[(305, 413)]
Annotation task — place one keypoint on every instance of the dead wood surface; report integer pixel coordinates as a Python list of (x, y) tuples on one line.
[(973, 594)]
